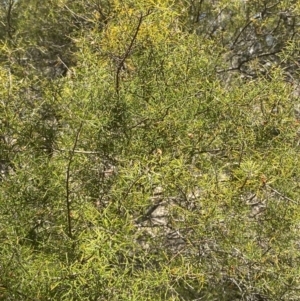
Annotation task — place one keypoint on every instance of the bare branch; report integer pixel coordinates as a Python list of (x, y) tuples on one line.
[(127, 52)]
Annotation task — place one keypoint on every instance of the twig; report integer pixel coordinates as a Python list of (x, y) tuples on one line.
[(282, 195), (79, 151), (247, 60), (68, 201), (240, 33), (63, 63), (127, 52), (10, 28), (77, 15)]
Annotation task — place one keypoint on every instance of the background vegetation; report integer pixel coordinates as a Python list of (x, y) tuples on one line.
[(149, 150)]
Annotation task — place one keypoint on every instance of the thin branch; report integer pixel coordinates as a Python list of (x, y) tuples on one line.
[(282, 195), (77, 15), (68, 201), (247, 60), (63, 63), (240, 33), (79, 151), (127, 52), (10, 28)]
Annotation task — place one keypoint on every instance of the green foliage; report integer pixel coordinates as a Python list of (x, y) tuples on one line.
[(148, 150)]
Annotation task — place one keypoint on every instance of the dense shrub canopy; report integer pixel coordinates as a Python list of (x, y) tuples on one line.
[(148, 150)]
